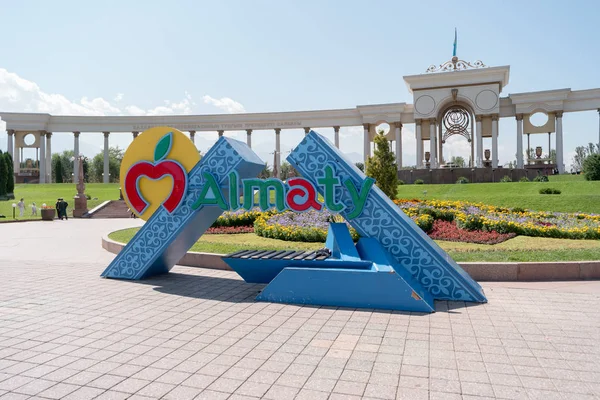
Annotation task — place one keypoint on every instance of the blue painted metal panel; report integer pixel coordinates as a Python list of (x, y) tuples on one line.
[(340, 242), (343, 288), (371, 249), (264, 271), (411, 248), (165, 238)]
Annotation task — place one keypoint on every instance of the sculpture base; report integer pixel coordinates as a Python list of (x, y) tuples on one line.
[(80, 206)]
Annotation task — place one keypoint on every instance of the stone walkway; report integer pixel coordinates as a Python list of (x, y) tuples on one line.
[(67, 333)]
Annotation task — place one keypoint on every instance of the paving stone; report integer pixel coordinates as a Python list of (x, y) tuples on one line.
[(197, 332), (58, 391)]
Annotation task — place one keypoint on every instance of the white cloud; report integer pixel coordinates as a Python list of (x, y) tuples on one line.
[(119, 97), (225, 103)]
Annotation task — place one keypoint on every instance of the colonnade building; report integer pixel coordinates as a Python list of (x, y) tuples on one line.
[(455, 98)]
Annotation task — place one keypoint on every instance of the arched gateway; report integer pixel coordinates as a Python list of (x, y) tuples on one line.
[(455, 98)]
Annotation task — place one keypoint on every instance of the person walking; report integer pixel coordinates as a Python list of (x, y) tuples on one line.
[(61, 209), (21, 205), (33, 210)]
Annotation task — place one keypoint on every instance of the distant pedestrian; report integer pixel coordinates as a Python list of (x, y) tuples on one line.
[(61, 208), (21, 205), (33, 209)]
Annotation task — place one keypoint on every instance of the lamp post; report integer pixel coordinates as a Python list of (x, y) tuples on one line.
[(14, 206)]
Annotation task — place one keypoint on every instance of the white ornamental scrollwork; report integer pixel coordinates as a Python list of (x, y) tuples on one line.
[(455, 65)]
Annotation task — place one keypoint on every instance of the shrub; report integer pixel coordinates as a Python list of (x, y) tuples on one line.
[(470, 223), (382, 167), (591, 167), (541, 178), (425, 222), (400, 182), (419, 182), (437, 213), (549, 191), (461, 180), (524, 179), (506, 178)]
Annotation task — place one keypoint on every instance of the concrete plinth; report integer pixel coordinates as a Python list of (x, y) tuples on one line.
[(80, 206)]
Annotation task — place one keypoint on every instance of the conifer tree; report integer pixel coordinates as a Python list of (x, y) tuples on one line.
[(58, 171), (3, 175), (382, 167), (10, 176)]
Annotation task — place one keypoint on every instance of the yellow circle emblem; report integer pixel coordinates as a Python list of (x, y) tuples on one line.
[(154, 170)]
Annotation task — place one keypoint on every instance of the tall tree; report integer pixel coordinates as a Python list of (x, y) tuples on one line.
[(58, 171), (458, 161), (265, 173), (3, 175), (382, 167), (10, 182), (115, 155)]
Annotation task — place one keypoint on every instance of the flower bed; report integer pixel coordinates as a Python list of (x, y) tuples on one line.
[(312, 226), (239, 218), (444, 230), (309, 226), (220, 230), (472, 216)]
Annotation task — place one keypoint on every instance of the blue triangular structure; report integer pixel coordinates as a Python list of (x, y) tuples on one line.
[(409, 246)]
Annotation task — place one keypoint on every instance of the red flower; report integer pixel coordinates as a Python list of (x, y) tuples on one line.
[(444, 230)]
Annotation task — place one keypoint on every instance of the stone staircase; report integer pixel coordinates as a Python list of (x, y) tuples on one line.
[(111, 209)]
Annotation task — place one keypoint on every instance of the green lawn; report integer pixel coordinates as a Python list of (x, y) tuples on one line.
[(48, 193), (577, 195), (517, 249)]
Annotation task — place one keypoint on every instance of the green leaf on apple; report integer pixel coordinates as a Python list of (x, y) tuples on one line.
[(161, 151)]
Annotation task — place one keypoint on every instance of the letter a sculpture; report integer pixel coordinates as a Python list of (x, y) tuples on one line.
[(394, 265)]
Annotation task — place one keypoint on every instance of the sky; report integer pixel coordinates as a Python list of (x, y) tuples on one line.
[(208, 57)]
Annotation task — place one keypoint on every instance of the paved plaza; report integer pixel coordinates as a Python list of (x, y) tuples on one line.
[(67, 333)]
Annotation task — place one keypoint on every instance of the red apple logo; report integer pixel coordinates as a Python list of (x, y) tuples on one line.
[(156, 170)]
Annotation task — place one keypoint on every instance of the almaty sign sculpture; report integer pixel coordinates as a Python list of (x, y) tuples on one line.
[(394, 265)]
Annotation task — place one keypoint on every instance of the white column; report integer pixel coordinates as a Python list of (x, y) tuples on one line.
[(42, 157), (306, 130), (221, 133), (17, 156), (433, 143), (419, 138), (278, 151), (559, 143), (106, 176), (193, 136), (336, 139), (249, 137), (76, 155), (494, 141), (519, 140), (135, 134), (479, 134), (366, 144), (9, 143), (49, 157), (398, 138)]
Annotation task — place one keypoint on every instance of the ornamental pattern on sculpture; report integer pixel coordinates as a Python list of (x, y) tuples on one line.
[(150, 242), (393, 230)]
